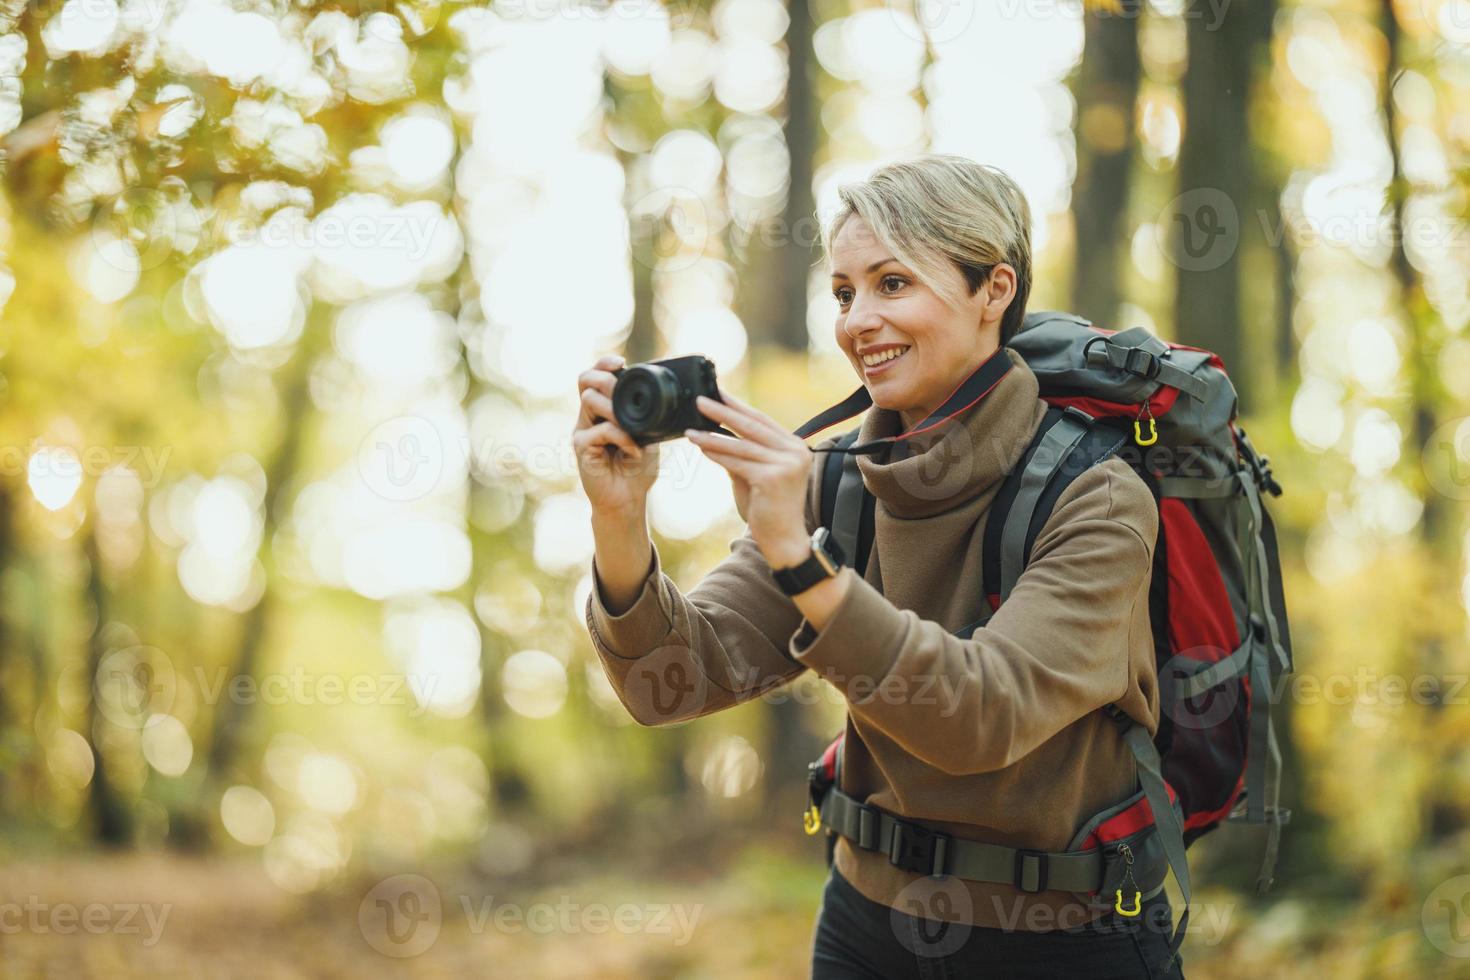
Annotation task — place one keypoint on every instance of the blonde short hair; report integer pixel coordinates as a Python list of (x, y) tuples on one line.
[(941, 208)]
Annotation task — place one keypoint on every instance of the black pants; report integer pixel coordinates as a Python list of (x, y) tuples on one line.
[(859, 939)]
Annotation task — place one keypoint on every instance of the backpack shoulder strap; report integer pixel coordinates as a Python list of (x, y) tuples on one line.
[(847, 506), (1068, 442), (831, 474)]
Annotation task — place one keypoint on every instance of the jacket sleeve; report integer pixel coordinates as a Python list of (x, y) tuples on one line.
[(1057, 648), (672, 657)]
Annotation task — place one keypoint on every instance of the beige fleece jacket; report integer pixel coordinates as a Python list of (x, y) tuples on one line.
[(998, 737)]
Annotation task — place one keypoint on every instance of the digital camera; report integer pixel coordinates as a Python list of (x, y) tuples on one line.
[(654, 401)]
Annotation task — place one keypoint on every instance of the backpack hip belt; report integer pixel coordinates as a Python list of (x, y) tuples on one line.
[(1118, 858)]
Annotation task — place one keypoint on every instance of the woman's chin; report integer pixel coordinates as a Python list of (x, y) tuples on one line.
[(889, 397)]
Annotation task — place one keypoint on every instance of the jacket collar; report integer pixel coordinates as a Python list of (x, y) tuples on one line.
[(954, 463)]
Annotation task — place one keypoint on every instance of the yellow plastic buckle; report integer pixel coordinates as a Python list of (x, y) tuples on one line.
[(811, 820), (1153, 430), (1122, 910)]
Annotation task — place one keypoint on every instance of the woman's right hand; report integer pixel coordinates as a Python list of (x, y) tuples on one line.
[(616, 472)]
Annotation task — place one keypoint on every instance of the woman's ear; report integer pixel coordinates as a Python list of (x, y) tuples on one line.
[(1000, 289)]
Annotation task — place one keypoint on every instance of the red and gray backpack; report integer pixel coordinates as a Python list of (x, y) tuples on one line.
[(1221, 637)]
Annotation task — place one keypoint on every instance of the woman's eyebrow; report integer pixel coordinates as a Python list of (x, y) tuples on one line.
[(875, 266)]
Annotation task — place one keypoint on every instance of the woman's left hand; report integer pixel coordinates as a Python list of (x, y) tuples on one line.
[(769, 468)]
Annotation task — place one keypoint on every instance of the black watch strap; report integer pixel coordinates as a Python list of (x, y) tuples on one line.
[(824, 562)]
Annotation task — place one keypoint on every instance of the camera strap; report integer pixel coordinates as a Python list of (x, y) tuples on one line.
[(971, 390)]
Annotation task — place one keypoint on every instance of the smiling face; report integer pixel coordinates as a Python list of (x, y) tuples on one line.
[(910, 347)]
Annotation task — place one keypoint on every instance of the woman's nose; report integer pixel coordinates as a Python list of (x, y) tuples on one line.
[(861, 318)]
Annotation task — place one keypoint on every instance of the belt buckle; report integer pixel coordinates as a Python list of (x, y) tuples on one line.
[(1025, 870), (918, 849), (1150, 363)]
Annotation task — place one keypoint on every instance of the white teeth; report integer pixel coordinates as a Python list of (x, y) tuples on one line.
[(881, 356)]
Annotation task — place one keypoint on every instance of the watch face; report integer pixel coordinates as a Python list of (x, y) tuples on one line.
[(826, 546)]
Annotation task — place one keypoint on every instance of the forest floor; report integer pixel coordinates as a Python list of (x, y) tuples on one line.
[(743, 916)]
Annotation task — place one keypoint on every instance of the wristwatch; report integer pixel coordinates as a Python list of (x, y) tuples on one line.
[(825, 561)]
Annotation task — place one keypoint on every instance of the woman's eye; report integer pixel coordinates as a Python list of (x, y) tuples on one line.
[(892, 279), (842, 297)]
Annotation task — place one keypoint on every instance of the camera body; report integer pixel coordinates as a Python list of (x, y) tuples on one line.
[(654, 401)]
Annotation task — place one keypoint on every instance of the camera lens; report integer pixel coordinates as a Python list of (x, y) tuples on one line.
[(645, 398)]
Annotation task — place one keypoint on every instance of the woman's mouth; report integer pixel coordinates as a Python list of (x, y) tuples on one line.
[(874, 364)]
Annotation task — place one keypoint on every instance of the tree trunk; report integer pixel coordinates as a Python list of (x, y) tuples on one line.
[(643, 343), (1435, 528), (227, 732), (10, 720), (799, 232), (1443, 814), (1106, 89), (1207, 219), (111, 818)]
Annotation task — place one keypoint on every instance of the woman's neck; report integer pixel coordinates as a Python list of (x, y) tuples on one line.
[(908, 418)]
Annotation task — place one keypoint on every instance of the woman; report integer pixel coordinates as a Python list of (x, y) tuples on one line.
[(931, 267)]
